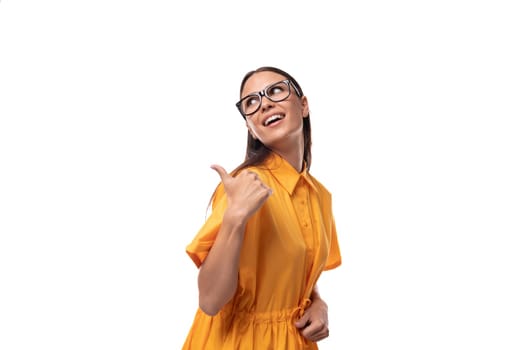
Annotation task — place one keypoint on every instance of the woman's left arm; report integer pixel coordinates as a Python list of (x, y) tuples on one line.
[(314, 323)]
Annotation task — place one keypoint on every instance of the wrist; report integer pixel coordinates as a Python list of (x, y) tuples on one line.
[(234, 218), (314, 296)]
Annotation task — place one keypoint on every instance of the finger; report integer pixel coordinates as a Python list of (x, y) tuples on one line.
[(319, 335), (252, 174), (314, 335), (301, 323), (317, 339), (314, 327), (221, 171)]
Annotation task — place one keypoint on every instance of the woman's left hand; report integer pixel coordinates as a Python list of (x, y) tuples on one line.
[(314, 323)]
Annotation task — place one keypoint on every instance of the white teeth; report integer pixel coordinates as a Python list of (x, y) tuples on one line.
[(272, 118)]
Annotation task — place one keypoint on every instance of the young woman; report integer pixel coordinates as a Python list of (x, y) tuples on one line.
[(271, 232)]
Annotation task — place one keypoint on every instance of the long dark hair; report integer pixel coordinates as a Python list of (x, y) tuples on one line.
[(256, 151)]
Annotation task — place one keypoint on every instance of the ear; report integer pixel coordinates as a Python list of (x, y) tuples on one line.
[(304, 107)]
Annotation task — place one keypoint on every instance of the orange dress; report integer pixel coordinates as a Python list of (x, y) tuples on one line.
[(288, 242)]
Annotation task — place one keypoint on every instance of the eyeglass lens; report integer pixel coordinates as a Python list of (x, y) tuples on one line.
[(275, 92)]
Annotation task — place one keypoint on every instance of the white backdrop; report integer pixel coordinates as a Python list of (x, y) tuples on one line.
[(112, 111)]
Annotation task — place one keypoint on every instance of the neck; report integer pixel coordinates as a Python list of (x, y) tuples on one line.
[(294, 157), (292, 150)]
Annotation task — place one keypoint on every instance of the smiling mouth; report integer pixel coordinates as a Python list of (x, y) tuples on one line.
[(274, 118)]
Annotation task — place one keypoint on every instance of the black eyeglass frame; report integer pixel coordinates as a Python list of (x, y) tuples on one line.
[(263, 93)]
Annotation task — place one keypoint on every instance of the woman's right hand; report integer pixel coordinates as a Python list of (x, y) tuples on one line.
[(246, 193)]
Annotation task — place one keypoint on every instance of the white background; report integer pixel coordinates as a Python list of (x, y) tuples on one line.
[(112, 111)]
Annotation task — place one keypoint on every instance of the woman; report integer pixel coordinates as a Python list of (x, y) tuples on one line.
[(270, 234)]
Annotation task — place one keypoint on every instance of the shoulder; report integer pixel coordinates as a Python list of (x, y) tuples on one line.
[(319, 185), (261, 170), (219, 195)]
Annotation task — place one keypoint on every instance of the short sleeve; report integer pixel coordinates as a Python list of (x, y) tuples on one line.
[(201, 244), (334, 255)]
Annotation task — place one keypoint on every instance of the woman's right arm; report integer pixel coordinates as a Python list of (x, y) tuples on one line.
[(218, 274)]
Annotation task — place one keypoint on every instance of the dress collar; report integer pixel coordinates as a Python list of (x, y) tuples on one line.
[(286, 174)]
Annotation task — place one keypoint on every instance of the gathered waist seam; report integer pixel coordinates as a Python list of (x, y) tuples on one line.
[(284, 315)]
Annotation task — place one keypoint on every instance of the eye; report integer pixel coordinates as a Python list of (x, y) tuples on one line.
[(276, 89), (251, 100)]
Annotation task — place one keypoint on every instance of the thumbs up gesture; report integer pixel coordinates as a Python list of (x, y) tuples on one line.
[(246, 193)]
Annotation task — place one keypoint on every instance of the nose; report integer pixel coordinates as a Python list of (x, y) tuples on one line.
[(266, 103)]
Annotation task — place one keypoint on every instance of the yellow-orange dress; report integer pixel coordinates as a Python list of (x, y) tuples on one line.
[(288, 242)]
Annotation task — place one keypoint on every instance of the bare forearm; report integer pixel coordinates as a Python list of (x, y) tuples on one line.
[(315, 293), (315, 297), (218, 275)]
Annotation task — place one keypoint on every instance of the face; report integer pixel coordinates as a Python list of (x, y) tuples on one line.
[(275, 123)]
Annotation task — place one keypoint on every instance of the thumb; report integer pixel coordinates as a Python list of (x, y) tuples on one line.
[(301, 323), (220, 170)]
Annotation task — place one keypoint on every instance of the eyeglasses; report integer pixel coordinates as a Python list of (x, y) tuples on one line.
[(275, 92)]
